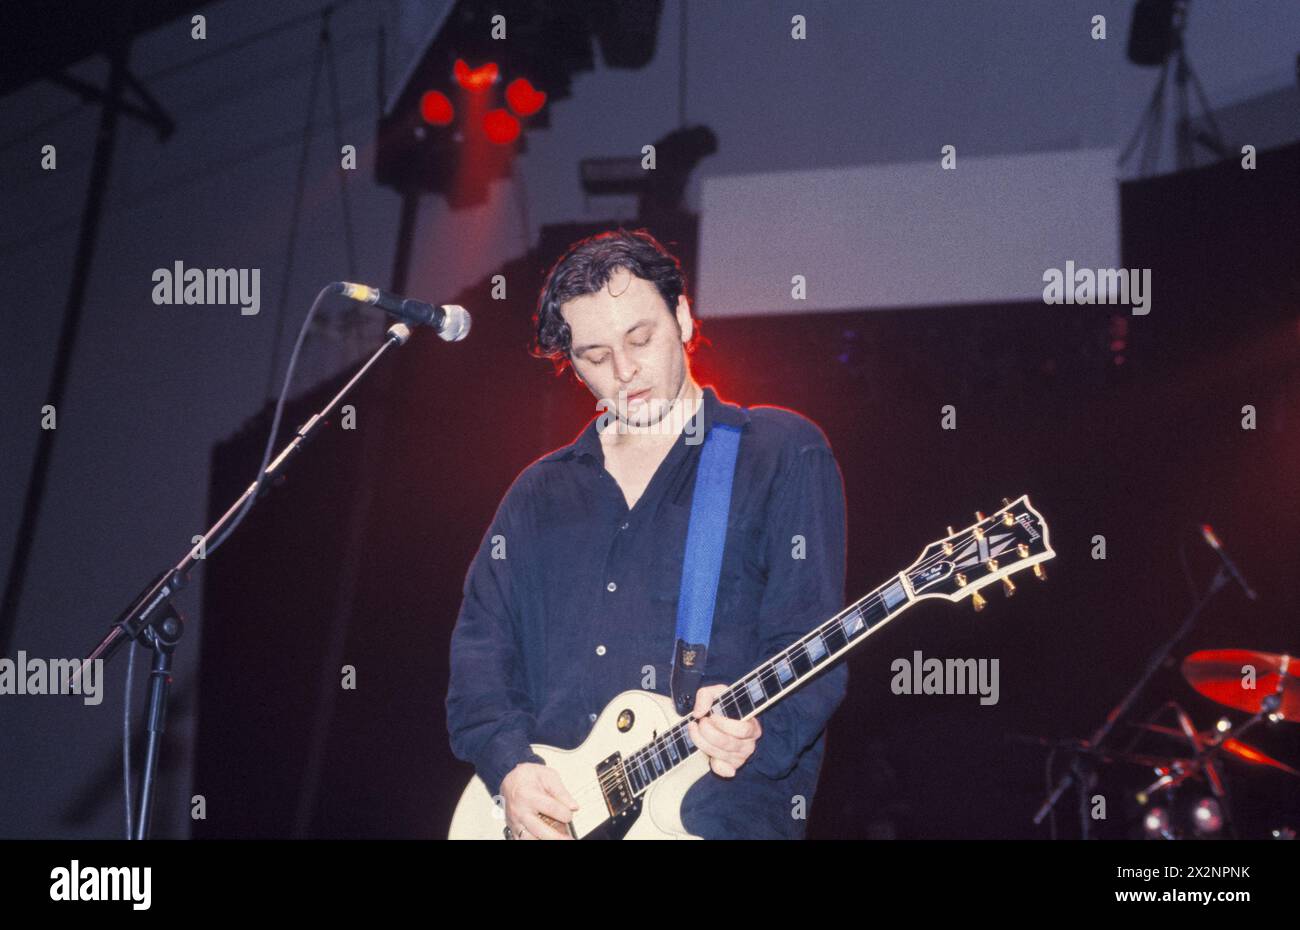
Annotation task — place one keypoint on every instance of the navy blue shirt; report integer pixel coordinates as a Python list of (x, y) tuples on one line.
[(582, 595)]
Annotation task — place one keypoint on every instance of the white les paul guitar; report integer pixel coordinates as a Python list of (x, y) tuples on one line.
[(631, 773)]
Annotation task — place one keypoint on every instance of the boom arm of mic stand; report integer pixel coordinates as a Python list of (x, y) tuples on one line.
[(136, 617), (153, 605)]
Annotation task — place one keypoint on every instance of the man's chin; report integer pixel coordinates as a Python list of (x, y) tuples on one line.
[(633, 422), (641, 418)]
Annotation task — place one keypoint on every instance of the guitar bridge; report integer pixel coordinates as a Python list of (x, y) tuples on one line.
[(614, 785)]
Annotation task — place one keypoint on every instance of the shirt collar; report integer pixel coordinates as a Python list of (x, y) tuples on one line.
[(712, 410)]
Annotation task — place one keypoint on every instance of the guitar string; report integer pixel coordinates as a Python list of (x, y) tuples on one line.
[(597, 788), (766, 671), (609, 777), (643, 756), (763, 673)]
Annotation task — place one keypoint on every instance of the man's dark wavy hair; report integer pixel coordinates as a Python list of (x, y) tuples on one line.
[(586, 268)]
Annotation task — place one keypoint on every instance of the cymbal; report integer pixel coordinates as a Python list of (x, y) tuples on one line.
[(1231, 745), (1217, 674)]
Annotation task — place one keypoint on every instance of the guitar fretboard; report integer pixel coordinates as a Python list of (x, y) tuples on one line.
[(773, 680)]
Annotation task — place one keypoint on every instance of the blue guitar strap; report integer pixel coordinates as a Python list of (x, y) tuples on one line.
[(706, 537)]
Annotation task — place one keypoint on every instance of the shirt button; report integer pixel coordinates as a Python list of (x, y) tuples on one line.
[(623, 527), (600, 650), (591, 717), (611, 587)]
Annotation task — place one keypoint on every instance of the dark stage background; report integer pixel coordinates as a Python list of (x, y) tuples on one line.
[(1119, 425)]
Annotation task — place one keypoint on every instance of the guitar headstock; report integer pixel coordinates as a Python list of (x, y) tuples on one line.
[(991, 549)]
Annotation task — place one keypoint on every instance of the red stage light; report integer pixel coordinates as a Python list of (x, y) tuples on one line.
[(523, 98), (436, 108), (500, 126), (479, 78)]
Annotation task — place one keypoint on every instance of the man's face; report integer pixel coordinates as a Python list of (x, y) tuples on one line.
[(627, 348)]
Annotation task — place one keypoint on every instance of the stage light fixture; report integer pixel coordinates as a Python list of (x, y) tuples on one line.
[(476, 79), (436, 108), (500, 127)]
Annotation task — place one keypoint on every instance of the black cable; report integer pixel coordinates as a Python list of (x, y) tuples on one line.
[(336, 114), (266, 33), (681, 70), (43, 125), (300, 187), (126, 741), (230, 528), (201, 173), (275, 421)]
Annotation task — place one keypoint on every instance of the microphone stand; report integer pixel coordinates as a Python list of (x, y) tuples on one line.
[(1081, 778), (154, 622)]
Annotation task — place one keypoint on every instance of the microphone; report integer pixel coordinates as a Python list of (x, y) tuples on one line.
[(450, 321), (1213, 542)]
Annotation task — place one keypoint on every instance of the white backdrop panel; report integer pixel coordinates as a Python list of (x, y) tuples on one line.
[(901, 235)]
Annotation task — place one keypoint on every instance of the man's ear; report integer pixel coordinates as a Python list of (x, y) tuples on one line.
[(684, 321)]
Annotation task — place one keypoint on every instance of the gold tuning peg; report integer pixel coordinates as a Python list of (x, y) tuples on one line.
[(978, 600), (1039, 572), (947, 543), (1007, 519), (1008, 587), (1006, 502)]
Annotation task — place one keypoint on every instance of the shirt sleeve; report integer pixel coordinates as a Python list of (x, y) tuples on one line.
[(800, 595), (490, 717)]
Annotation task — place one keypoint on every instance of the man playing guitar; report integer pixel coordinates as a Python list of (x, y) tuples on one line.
[(572, 595)]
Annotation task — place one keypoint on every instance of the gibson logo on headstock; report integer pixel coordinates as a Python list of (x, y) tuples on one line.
[(1028, 524)]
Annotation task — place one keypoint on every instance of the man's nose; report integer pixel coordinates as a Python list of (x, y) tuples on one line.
[(624, 367)]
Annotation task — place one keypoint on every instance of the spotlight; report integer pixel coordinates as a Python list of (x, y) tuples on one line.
[(480, 78), (500, 127), (523, 98), (1207, 817), (436, 108), (1156, 824)]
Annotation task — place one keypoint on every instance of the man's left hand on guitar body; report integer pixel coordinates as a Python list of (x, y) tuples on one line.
[(728, 743)]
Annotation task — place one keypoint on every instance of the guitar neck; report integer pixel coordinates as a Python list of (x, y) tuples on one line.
[(952, 568), (779, 676)]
